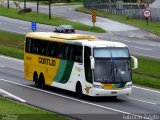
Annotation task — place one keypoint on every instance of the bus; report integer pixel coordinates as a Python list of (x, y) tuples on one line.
[(79, 63)]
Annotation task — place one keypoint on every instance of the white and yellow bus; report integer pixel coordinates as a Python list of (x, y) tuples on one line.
[(78, 63)]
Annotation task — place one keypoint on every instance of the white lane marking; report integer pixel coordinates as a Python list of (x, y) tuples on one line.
[(126, 41), (145, 55), (141, 43), (143, 101), (156, 91), (142, 48), (148, 44), (2, 66), (12, 31), (77, 100), (11, 95), (25, 28), (11, 58), (155, 45)]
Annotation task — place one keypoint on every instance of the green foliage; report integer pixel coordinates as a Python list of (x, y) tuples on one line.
[(146, 81), (17, 4), (12, 39), (11, 51), (128, 16), (26, 112), (148, 66), (2, 2)]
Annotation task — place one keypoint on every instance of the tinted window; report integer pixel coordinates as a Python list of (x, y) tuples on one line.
[(59, 49), (54, 49), (88, 71)]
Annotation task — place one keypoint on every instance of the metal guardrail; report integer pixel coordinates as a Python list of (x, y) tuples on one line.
[(133, 10)]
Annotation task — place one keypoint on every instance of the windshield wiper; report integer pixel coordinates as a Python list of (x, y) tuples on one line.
[(115, 71)]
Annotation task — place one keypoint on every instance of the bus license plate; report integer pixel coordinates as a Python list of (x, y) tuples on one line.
[(113, 93)]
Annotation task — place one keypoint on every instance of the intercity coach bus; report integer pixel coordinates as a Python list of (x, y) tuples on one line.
[(78, 63)]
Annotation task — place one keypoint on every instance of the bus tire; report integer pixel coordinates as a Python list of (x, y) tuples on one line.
[(79, 92), (41, 81), (35, 79)]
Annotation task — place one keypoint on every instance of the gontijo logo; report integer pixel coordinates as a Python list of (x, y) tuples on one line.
[(47, 61)]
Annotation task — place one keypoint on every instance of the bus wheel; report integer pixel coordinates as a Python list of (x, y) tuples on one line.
[(41, 82), (79, 91), (35, 79)]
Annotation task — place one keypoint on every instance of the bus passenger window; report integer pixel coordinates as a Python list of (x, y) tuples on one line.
[(35, 45), (72, 53), (78, 53), (59, 51), (67, 50), (28, 45)]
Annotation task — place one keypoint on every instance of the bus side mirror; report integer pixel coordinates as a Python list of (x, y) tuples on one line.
[(135, 61), (92, 62)]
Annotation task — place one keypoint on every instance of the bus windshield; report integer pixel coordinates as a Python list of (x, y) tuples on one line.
[(112, 65)]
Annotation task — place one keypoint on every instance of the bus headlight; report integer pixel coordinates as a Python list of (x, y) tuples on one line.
[(98, 86), (128, 86)]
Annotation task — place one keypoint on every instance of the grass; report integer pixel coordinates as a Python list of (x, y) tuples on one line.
[(12, 39), (148, 66), (11, 44), (152, 27), (148, 73), (43, 19), (25, 112), (11, 51), (73, 2), (146, 81)]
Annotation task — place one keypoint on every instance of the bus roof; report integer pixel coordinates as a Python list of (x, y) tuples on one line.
[(102, 43), (52, 35), (78, 39)]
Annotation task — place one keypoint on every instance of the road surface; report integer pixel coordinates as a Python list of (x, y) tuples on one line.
[(143, 101)]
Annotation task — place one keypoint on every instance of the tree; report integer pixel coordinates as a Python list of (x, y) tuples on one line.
[(7, 3), (50, 1), (17, 4), (37, 6), (24, 4), (2, 2)]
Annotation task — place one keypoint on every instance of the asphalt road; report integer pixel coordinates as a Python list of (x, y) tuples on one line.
[(142, 102)]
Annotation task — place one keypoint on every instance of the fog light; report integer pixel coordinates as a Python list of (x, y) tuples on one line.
[(98, 86)]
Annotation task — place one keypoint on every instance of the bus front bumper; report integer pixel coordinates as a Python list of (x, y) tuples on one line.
[(103, 92)]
